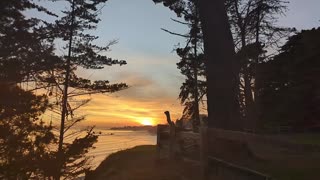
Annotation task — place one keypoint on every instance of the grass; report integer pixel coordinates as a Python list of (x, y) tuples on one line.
[(306, 138), (303, 167), (139, 163), (292, 169), (281, 163)]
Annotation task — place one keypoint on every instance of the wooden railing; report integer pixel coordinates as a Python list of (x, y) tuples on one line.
[(174, 143), (193, 147), (222, 170), (205, 148)]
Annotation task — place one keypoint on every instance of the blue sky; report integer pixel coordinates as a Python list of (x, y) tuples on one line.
[(151, 71), (302, 14)]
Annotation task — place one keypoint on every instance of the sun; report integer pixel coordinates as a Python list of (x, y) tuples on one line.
[(146, 121)]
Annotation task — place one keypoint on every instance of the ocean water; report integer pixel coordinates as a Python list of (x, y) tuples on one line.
[(111, 141)]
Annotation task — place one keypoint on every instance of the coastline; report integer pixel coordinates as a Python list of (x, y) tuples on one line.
[(140, 163)]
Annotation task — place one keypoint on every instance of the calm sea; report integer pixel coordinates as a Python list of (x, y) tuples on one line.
[(111, 141)]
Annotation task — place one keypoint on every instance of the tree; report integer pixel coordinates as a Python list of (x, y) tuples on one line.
[(25, 48), (72, 28), (24, 52), (288, 87), (29, 59), (194, 88), (191, 65), (221, 71), (220, 64), (253, 26), (24, 137)]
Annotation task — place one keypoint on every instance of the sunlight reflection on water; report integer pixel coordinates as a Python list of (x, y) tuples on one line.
[(119, 140)]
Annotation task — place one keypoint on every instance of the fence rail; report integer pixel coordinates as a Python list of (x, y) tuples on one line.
[(222, 170), (211, 146), (193, 147)]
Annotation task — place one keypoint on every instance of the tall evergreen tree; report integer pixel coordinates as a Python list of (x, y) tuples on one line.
[(191, 65), (221, 71), (24, 137), (253, 26), (29, 58), (72, 28), (288, 86), (24, 52)]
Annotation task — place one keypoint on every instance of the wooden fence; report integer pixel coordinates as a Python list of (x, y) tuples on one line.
[(210, 148), (221, 170), (177, 144)]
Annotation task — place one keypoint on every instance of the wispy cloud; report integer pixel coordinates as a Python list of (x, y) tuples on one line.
[(113, 110)]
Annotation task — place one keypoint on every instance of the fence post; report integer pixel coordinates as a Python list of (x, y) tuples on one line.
[(172, 141), (204, 152), (158, 140)]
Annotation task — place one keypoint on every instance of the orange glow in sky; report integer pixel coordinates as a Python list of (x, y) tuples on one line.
[(123, 110), (146, 121)]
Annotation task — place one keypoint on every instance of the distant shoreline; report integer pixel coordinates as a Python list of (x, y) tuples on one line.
[(151, 129)]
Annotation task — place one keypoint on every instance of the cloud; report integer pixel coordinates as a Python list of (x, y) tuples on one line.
[(126, 111), (154, 83)]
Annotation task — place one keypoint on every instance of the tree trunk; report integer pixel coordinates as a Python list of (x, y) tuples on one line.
[(255, 105), (220, 65), (196, 118), (249, 102), (64, 111), (196, 112)]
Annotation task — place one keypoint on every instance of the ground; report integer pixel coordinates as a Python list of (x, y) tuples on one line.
[(140, 163)]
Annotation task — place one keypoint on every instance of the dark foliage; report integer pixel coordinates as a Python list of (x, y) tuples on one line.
[(25, 52), (27, 58), (80, 51), (191, 64), (288, 87), (24, 137)]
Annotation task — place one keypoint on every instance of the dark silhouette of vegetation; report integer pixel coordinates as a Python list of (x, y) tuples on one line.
[(288, 85), (220, 62), (80, 52), (24, 137), (28, 59), (191, 64), (252, 23), (24, 53), (254, 30), (225, 59)]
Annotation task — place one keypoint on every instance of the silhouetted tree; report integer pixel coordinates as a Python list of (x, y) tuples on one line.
[(221, 71), (253, 26), (24, 53), (191, 65), (25, 48), (27, 57), (72, 28), (288, 85), (24, 137), (220, 64)]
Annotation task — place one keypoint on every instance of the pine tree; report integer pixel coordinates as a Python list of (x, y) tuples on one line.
[(191, 64), (24, 52), (254, 30), (24, 137), (289, 87), (72, 28), (30, 61), (220, 64)]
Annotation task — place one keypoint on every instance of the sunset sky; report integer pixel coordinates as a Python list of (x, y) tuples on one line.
[(151, 71)]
